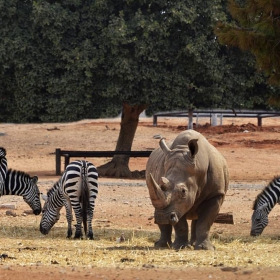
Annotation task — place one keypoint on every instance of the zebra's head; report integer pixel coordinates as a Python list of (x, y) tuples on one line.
[(32, 195), (259, 219), (50, 215)]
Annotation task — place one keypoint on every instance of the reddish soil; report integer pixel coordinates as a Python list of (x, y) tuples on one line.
[(252, 154)]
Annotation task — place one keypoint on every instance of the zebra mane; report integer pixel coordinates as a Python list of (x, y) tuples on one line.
[(53, 189), (20, 173), (2, 152), (255, 204)]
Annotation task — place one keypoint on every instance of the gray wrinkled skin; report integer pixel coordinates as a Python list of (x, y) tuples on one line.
[(187, 180)]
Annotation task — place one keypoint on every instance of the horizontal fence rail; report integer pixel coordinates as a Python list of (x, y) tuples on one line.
[(84, 154), (220, 113)]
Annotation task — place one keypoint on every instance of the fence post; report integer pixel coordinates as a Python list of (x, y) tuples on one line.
[(190, 117), (154, 120), (57, 162), (214, 119), (259, 121), (66, 160)]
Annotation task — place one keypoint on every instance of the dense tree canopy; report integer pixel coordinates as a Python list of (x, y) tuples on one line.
[(65, 60), (71, 59), (256, 27)]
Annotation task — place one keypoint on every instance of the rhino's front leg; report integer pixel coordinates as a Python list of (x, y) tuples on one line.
[(207, 214), (181, 234), (193, 232), (165, 236)]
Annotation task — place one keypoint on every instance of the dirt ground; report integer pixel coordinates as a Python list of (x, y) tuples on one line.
[(253, 158)]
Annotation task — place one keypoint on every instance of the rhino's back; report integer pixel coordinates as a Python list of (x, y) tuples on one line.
[(209, 159), (185, 136)]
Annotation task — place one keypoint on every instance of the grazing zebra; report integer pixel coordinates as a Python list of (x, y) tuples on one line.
[(3, 167), (77, 188), (20, 183), (263, 204)]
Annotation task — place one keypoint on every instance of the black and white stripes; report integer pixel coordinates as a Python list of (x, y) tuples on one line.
[(3, 168), (77, 188), (263, 204), (13, 182), (22, 184), (2, 152)]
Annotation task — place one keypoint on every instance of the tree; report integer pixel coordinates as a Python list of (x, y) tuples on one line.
[(256, 27), (70, 59), (118, 166), (160, 54), (247, 85)]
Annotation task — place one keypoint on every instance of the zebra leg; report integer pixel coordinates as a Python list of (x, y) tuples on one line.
[(89, 222), (78, 214), (69, 218)]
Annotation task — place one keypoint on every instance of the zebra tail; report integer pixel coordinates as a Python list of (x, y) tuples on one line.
[(84, 195)]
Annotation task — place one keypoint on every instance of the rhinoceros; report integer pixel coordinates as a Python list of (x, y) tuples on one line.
[(187, 180)]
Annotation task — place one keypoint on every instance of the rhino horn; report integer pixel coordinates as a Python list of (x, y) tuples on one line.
[(165, 183), (163, 146), (157, 195)]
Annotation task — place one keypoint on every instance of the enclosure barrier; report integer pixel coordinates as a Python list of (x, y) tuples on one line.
[(84, 154), (218, 113), (223, 218)]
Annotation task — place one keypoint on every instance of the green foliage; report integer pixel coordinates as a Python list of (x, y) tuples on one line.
[(256, 27), (69, 60)]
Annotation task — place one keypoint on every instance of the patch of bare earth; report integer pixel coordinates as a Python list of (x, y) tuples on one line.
[(123, 207)]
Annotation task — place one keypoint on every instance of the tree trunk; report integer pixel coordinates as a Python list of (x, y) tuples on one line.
[(118, 166)]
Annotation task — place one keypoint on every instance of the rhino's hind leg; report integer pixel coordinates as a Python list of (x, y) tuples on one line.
[(165, 236), (181, 234), (208, 212)]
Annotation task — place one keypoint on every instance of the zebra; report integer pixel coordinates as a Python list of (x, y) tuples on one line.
[(3, 167), (263, 204), (22, 184), (77, 188)]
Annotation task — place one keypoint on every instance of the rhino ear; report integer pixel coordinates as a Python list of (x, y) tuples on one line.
[(193, 147)]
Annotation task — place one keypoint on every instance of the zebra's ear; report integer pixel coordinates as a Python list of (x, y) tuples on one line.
[(35, 179), (44, 197)]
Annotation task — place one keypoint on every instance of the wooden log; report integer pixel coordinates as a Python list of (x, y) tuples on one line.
[(8, 206), (224, 218)]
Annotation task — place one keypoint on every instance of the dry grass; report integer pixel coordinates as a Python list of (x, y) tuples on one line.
[(25, 245)]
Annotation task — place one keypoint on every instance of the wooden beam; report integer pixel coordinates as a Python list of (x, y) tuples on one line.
[(224, 218)]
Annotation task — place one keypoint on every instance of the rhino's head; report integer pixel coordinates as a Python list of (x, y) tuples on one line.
[(174, 194)]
